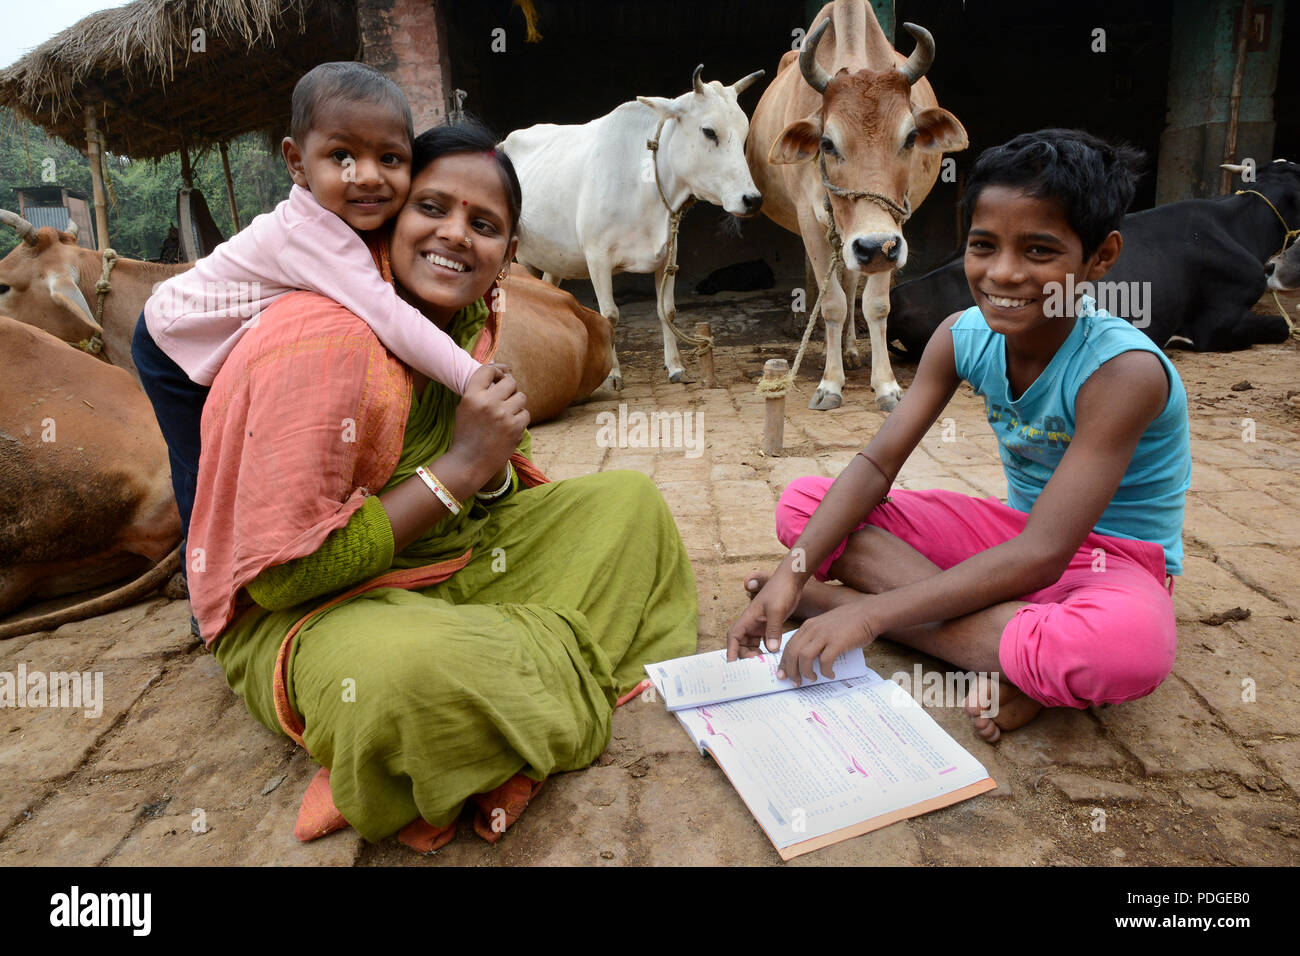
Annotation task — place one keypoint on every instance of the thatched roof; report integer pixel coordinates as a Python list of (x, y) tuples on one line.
[(137, 65)]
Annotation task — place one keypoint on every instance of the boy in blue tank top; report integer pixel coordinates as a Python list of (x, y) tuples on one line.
[(1061, 597)]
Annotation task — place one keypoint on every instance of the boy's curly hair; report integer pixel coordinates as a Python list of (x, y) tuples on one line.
[(1093, 180)]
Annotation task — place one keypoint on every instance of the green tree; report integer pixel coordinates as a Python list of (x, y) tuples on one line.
[(142, 194)]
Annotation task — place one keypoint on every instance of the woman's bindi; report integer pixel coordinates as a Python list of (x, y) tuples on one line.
[(464, 202)]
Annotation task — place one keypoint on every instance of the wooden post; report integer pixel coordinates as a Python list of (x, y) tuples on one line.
[(1234, 101), (702, 331), (230, 187), (774, 424), (187, 172), (94, 154)]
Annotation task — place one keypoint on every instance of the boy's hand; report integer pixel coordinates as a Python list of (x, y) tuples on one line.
[(764, 617), (825, 637)]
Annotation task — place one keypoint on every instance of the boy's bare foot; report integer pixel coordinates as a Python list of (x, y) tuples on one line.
[(817, 597), (1011, 707)]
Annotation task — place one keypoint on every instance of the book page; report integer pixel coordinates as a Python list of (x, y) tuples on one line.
[(828, 756), (703, 679)]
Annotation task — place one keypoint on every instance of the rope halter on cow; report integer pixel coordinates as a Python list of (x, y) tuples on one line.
[(774, 388), (1289, 233), (900, 213), (1288, 237), (702, 345), (95, 344)]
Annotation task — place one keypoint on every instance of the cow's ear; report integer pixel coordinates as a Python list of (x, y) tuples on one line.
[(64, 292), (662, 105), (798, 142), (938, 131)]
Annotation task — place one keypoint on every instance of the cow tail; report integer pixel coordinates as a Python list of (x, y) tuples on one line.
[(146, 584)]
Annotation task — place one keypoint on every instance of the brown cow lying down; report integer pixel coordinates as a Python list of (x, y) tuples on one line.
[(552, 343), (93, 504), (87, 489), (558, 351)]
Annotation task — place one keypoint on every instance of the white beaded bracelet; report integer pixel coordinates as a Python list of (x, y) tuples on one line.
[(505, 486), (439, 489)]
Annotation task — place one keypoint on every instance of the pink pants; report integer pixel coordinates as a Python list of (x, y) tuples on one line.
[(1104, 633)]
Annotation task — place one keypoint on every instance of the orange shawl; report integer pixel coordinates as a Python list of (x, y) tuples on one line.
[(268, 493)]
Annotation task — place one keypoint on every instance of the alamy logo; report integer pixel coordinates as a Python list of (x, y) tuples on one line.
[(239, 299), (1127, 300), (102, 909), (947, 689), (653, 430), (84, 689)]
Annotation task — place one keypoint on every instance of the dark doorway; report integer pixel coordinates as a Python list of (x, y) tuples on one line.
[(1002, 66)]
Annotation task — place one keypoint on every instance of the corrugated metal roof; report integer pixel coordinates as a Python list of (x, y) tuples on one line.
[(56, 216)]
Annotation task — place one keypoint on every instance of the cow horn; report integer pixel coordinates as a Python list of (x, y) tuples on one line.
[(72, 229), (1237, 168), (696, 81), (26, 231), (817, 77), (743, 84), (919, 62)]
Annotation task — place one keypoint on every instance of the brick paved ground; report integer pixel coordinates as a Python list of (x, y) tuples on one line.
[(1198, 772)]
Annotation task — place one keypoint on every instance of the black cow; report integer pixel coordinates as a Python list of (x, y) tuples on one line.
[(1204, 260), (740, 277)]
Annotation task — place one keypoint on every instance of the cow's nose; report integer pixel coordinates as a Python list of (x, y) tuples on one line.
[(1269, 267), (868, 248), (753, 202)]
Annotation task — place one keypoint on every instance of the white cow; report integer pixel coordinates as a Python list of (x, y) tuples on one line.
[(592, 206)]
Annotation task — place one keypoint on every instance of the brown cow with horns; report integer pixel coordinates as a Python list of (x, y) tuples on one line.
[(856, 124)]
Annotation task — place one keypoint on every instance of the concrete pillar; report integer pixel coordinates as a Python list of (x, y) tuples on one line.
[(1200, 81), (407, 40)]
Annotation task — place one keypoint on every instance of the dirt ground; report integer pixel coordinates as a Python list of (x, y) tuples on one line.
[(1206, 770)]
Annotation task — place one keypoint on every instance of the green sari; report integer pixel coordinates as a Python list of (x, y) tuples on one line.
[(418, 699)]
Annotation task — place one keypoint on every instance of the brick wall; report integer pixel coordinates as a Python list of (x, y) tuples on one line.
[(407, 40)]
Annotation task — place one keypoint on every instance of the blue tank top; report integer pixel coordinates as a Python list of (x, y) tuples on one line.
[(1034, 431)]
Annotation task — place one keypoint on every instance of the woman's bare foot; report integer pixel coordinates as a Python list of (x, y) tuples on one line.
[(1008, 706), (817, 597)]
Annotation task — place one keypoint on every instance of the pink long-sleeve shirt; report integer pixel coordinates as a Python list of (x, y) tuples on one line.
[(198, 316)]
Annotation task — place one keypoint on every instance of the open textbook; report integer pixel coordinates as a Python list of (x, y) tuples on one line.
[(823, 762)]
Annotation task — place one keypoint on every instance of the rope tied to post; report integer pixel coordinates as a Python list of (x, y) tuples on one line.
[(702, 345), (781, 385)]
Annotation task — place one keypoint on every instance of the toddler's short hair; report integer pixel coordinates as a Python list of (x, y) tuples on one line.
[(1094, 181), (346, 80)]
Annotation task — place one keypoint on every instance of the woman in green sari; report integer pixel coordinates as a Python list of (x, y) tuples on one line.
[(451, 637)]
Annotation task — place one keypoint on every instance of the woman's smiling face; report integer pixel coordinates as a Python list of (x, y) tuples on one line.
[(454, 234)]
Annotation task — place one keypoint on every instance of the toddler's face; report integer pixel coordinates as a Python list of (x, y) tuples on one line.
[(356, 160)]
